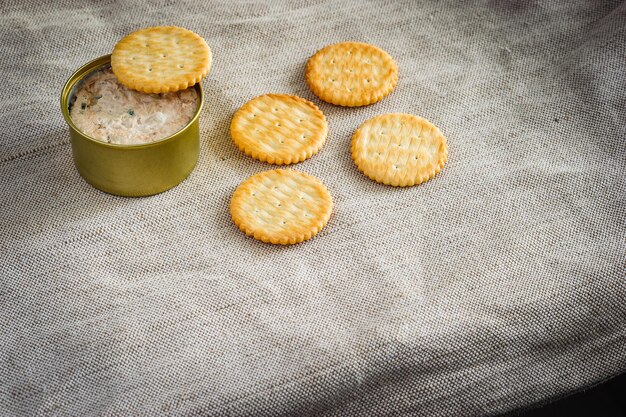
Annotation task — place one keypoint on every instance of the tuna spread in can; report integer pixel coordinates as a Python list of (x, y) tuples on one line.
[(106, 110)]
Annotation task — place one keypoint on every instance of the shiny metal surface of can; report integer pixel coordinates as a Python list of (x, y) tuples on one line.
[(131, 170)]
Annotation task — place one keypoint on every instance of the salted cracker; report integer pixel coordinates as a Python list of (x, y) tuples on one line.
[(351, 74), (281, 206), (399, 149), (279, 129), (161, 59)]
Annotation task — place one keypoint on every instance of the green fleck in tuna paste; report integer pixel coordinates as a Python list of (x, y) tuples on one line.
[(108, 111)]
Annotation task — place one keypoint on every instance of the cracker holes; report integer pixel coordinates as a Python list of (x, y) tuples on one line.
[(180, 66)]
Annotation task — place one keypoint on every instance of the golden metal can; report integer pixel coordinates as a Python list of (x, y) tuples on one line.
[(131, 170)]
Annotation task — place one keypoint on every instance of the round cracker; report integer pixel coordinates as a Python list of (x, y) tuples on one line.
[(281, 206), (161, 59), (351, 74), (279, 129), (399, 149)]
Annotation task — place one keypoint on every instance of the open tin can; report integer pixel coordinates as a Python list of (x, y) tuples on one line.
[(131, 170)]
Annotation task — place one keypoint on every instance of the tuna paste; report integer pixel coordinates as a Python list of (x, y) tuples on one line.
[(106, 110)]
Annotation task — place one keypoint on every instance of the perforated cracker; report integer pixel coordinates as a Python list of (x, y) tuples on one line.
[(281, 206), (351, 74), (279, 129), (399, 149), (161, 59)]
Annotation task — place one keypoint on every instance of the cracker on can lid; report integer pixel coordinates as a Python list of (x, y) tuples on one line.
[(279, 129), (161, 59), (351, 74), (399, 149), (281, 206)]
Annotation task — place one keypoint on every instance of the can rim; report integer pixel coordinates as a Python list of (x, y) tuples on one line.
[(92, 66)]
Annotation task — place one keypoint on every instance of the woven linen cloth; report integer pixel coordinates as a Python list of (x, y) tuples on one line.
[(498, 285)]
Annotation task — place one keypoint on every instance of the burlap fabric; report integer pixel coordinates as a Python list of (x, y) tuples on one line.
[(499, 284)]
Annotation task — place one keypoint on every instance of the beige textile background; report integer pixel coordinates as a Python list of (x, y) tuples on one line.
[(499, 284)]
